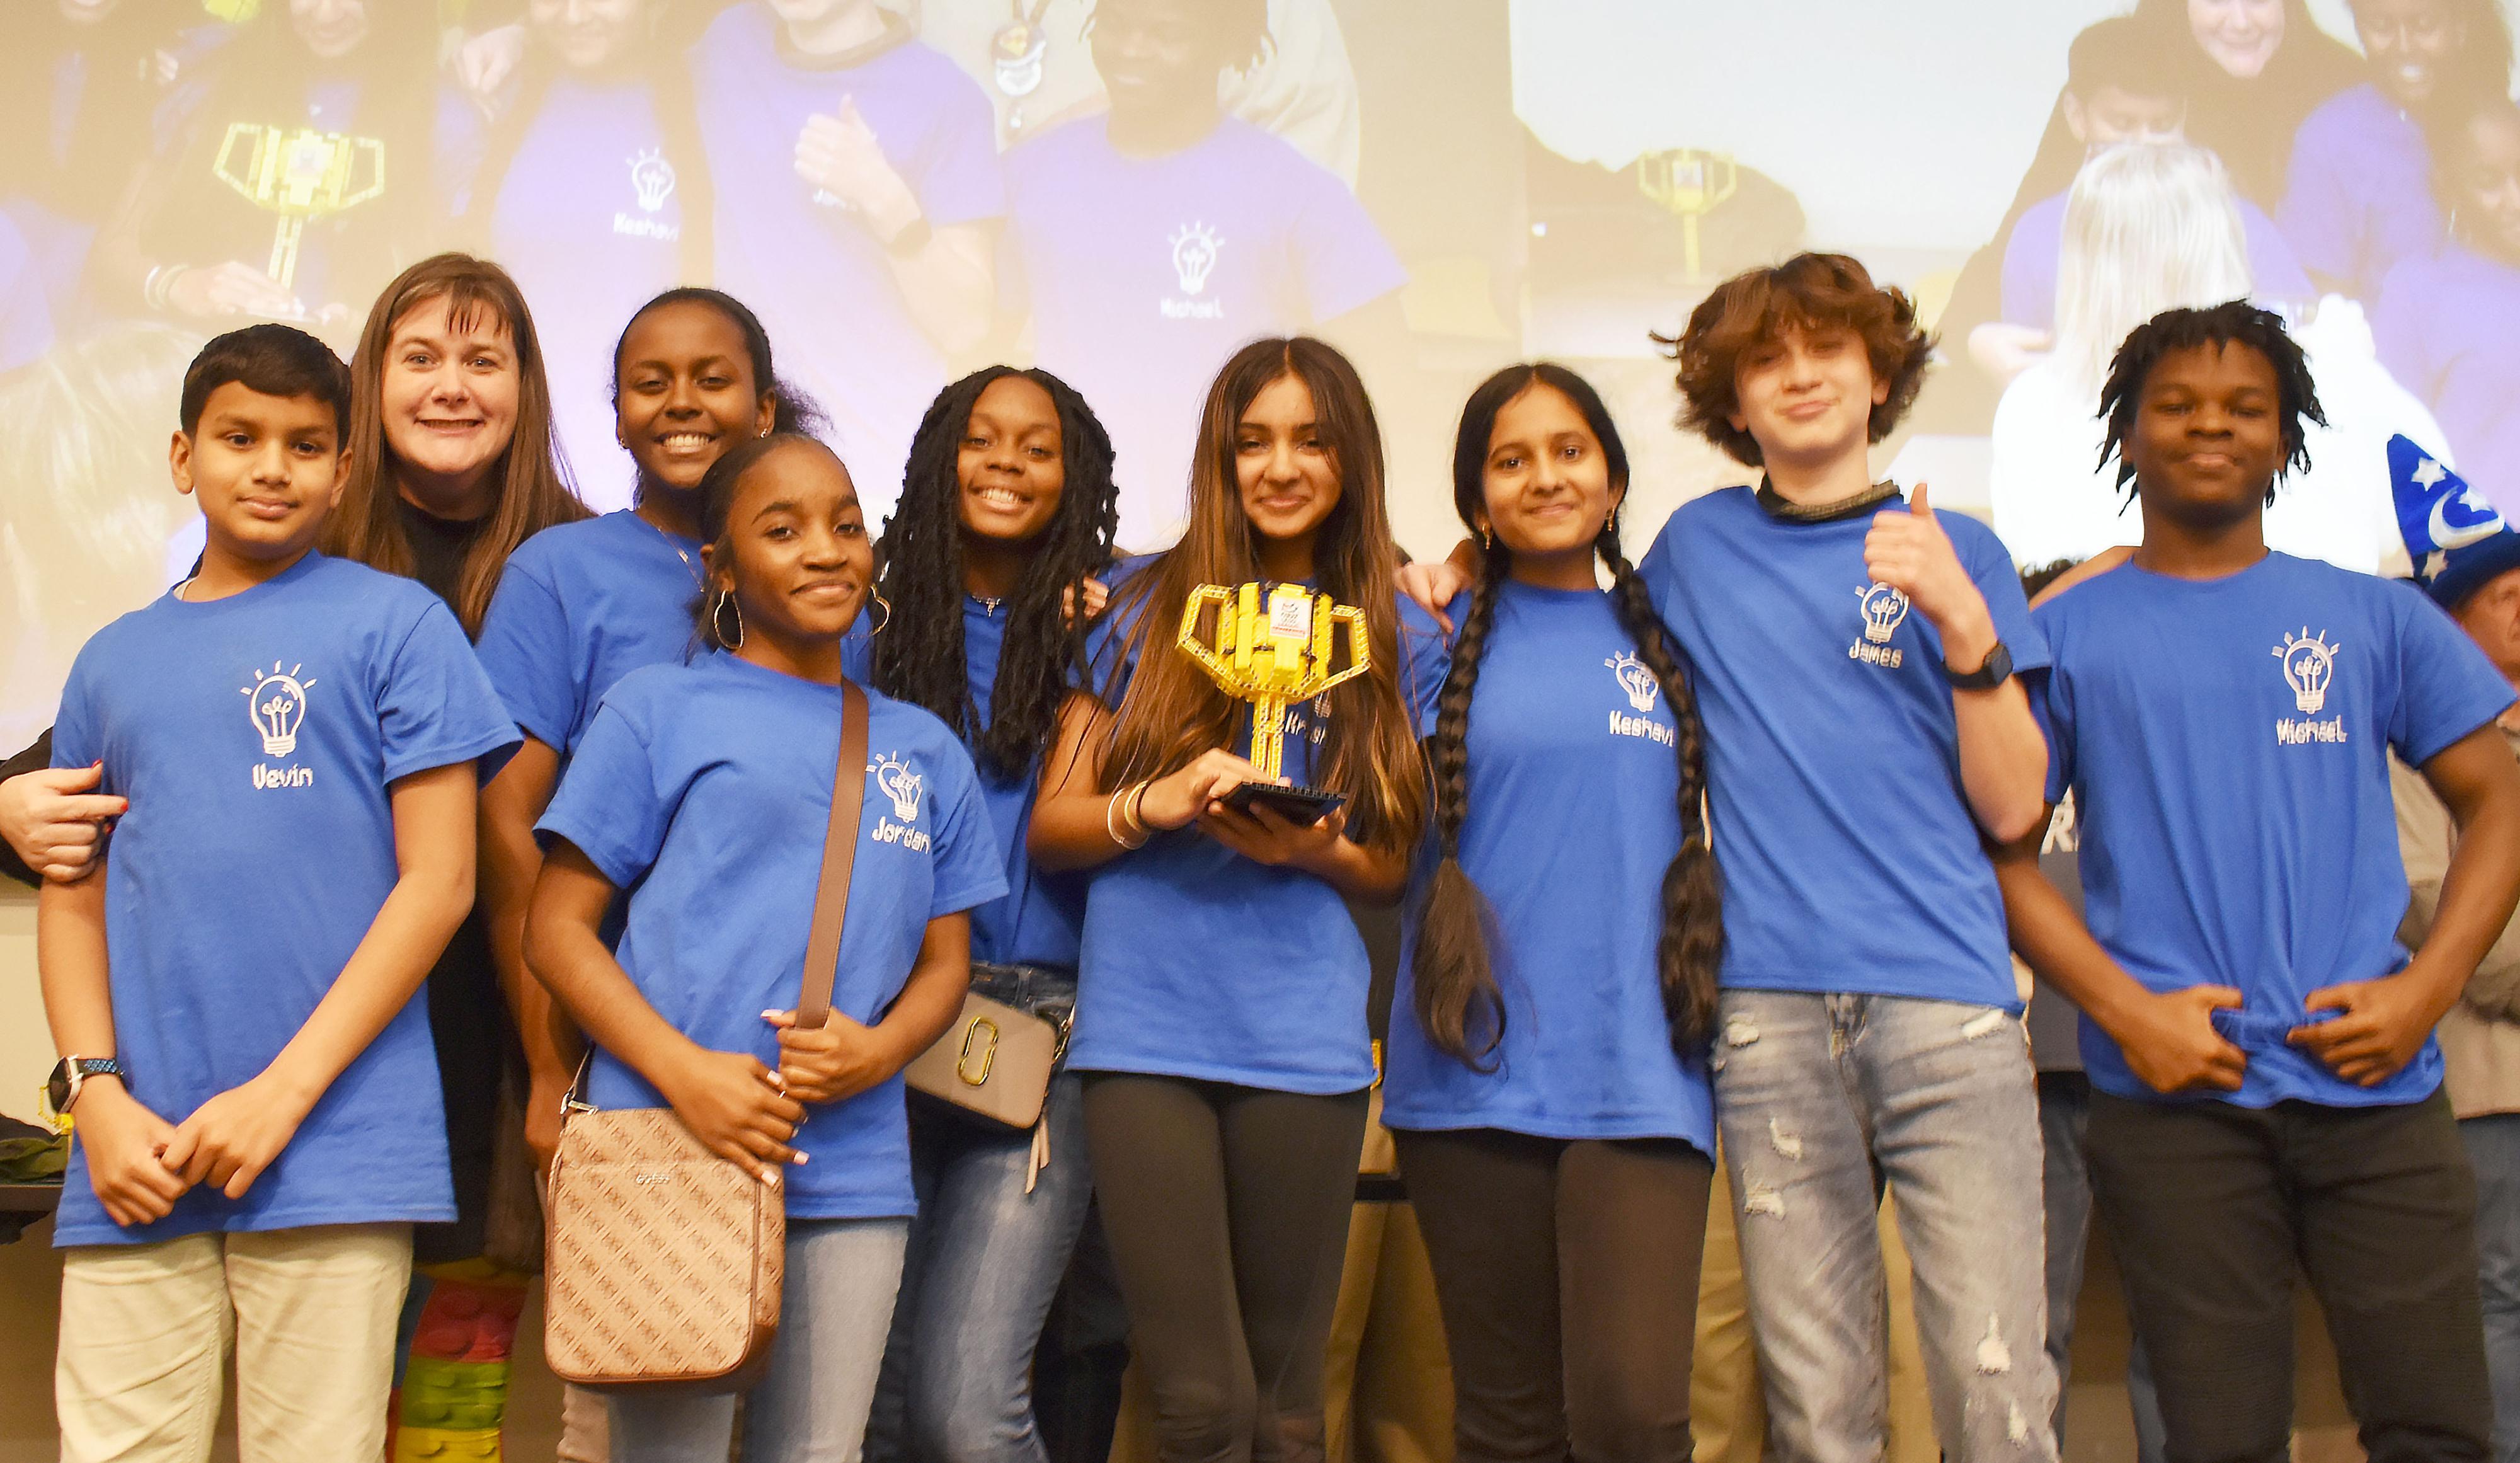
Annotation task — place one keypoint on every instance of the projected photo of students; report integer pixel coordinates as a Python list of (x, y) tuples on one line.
[(1157, 238), (1033, 58), (2155, 226), (346, 91), (855, 172), (2448, 322), (79, 82), (2358, 198), (589, 185), (2119, 87)]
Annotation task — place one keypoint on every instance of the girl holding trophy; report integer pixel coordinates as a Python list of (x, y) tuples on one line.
[(1221, 1017)]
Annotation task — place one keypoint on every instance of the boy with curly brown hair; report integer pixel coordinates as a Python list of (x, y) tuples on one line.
[(1854, 657)]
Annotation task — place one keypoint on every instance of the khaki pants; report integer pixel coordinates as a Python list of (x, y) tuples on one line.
[(311, 1312)]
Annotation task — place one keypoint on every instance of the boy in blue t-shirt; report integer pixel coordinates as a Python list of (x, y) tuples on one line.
[(2265, 1085), (233, 988)]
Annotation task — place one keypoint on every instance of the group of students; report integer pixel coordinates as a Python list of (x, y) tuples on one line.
[(816, 157), (1701, 856)]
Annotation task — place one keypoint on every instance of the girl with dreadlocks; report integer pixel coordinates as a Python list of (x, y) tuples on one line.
[(1008, 507), (1221, 1019), (1551, 1099)]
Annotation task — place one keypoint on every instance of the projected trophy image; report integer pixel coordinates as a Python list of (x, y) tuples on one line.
[(298, 176), (1271, 645)]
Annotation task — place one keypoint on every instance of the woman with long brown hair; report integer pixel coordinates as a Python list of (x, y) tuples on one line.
[(452, 459), (1221, 1004), (452, 465)]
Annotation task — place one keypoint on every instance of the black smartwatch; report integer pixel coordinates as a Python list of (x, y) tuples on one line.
[(1994, 673), (70, 1074)]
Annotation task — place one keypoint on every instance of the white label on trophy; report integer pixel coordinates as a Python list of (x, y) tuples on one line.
[(1289, 614)]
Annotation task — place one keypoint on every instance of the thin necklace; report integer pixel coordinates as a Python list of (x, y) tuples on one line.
[(700, 582)]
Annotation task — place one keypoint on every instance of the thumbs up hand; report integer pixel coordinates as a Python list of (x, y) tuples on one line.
[(1907, 550)]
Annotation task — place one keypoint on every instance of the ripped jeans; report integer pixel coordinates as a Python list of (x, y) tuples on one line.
[(1821, 1099)]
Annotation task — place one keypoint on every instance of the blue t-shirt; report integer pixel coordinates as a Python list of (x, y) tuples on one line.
[(258, 737), (822, 283), (2227, 744), (1573, 819), (2358, 196), (589, 220), (2447, 327), (1144, 274), (706, 791), (1041, 918), (1197, 962), (579, 607), (2032, 258), (1851, 861)]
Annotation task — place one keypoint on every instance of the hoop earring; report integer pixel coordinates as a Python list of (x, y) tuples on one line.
[(717, 621), (885, 606)]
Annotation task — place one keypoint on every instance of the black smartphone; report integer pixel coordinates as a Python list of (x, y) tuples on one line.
[(1301, 807)]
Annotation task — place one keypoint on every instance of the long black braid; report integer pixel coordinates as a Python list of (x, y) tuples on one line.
[(1456, 994), (1458, 1001), (1692, 947), (918, 657)]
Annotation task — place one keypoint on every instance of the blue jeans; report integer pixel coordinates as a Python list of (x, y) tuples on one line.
[(812, 1406), (985, 1261), (2064, 1117), (2492, 1146), (1820, 1098)]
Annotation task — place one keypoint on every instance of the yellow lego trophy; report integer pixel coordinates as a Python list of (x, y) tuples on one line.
[(1271, 645), (299, 175), (1691, 184)]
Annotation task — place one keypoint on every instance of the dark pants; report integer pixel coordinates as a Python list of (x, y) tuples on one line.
[(1567, 1272), (1227, 1210), (2211, 1209)]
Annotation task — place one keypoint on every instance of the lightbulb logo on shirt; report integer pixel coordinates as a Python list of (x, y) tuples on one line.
[(652, 183), (1636, 680), (2309, 665), (276, 705), (1195, 249), (1884, 608), (901, 785)]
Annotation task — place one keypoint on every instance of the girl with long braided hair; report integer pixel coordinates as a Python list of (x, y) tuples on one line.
[(1007, 513), (1550, 1096)]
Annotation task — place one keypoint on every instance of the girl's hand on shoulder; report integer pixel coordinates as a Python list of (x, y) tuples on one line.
[(732, 1103), (1262, 837), (1187, 796), (125, 1142), (833, 1063), (1098, 597), (1433, 585)]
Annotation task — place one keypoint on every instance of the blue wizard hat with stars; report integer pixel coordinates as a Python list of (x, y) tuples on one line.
[(2455, 539)]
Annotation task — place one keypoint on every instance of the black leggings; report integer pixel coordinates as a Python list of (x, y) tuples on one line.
[(1227, 1210), (1567, 1272)]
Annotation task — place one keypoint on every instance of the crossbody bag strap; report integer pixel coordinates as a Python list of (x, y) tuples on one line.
[(839, 856)]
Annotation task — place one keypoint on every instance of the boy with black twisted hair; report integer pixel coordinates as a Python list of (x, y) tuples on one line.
[(2266, 1086), (1551, 1098)]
